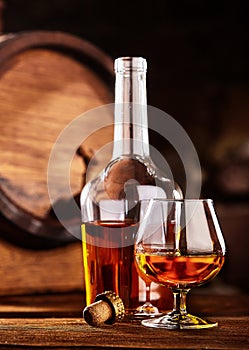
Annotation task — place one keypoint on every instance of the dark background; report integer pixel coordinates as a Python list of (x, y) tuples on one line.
[(198, 60), (197, 53)]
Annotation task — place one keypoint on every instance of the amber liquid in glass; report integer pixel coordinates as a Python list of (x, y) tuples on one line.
[(179, 271), (108, 260)]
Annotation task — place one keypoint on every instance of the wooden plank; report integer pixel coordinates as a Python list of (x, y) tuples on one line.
[(232, 333), (51, 304), (42, 305), (58, 331), (24, 271)]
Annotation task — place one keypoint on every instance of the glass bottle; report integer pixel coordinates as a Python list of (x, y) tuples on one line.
[(110, 203)]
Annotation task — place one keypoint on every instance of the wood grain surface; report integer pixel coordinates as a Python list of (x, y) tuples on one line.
[(24, 271), (71, 331), (46, 80), (39, 97)]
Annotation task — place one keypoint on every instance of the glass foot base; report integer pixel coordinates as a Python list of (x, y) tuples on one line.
[(147, 310), (176, 321)]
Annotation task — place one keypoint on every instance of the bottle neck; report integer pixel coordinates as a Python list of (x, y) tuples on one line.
[(131, 122)]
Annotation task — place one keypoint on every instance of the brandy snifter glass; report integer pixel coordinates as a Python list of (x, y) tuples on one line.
[(179, 244)]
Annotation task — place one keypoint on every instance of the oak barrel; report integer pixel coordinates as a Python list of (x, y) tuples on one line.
[(46, 80)]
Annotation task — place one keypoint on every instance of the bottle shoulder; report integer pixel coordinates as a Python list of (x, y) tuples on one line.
[(130, 177)]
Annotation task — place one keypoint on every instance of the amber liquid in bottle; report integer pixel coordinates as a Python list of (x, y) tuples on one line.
[(109, 262), (179, 271)]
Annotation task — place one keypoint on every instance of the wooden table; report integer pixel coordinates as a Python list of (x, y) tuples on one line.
[(55, 322)]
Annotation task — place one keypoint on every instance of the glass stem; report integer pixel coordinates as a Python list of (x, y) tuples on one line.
[(180, 301), (147, 293)]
